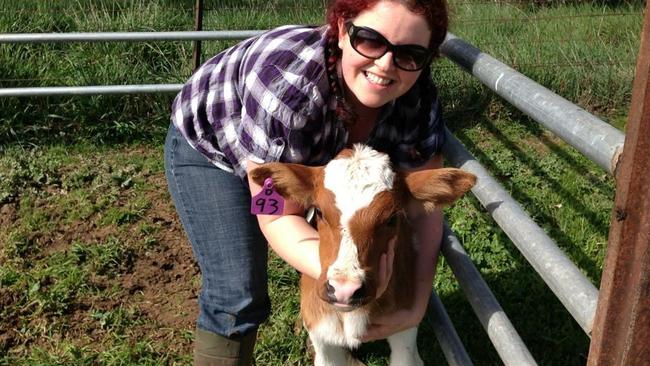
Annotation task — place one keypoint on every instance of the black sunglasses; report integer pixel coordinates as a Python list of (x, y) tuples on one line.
[(371, 44)]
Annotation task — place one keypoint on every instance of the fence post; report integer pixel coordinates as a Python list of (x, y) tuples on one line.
[(198, 26), (621, 333)]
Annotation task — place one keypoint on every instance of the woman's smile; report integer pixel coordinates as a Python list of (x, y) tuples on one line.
[(377, 80), (372, 82)]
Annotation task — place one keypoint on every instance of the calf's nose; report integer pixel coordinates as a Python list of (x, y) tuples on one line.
[(344, 291)]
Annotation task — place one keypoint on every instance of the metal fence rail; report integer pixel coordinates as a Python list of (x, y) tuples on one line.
[(502, 333), (126, 36), (445, 333), (597, 140), (89, 90), (574, 290), (6, 38)]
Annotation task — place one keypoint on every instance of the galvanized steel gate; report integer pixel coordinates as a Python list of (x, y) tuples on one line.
[(617, 319)]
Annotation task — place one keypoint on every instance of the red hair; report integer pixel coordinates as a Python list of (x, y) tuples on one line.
[(434, 11)]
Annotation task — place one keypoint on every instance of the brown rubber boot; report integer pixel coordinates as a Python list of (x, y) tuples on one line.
[(211, 349)]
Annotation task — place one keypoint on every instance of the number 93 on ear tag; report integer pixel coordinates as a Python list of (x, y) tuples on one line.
[(268, 201)]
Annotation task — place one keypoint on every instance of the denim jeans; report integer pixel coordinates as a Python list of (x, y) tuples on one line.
[(214, 208)]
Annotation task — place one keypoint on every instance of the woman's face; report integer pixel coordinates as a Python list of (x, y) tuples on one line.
[(373, 83)]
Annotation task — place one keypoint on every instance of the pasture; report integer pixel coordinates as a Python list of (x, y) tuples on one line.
[(94, 266)]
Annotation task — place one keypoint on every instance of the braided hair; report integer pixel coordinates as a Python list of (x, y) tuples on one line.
[(426, 95), (344, 111)]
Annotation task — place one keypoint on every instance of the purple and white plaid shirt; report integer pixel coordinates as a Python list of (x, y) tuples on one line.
[(268, 99)]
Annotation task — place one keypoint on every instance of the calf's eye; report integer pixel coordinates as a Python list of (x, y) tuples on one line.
[(313, 215), (392, 221)]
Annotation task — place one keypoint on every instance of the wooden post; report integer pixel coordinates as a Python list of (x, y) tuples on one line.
[(621, 333), (198, 25)]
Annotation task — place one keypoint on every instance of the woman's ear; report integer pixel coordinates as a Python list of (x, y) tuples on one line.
[(342, 31)]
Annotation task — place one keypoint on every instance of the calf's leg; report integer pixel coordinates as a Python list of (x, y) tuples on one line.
[(327, 354), (404, 348)]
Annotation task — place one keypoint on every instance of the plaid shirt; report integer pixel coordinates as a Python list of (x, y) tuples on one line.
[(268, 99)]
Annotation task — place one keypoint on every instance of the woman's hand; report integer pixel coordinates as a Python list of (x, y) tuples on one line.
[(385, 325)]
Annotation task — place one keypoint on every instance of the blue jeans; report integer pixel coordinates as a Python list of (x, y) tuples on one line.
[(232, 253)]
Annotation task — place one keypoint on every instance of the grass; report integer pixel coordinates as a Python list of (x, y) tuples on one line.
[(95, 268)]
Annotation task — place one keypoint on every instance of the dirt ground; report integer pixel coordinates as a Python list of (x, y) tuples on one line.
[(159, 287)]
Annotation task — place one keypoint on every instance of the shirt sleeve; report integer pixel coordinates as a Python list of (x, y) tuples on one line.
[(276, 103)]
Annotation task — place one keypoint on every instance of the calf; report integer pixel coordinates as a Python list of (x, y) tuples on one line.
[(360, 204)]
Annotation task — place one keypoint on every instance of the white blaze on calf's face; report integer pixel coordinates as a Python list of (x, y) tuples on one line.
[(355, 181)]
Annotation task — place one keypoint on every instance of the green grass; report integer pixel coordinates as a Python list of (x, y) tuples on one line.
[(94, 267)]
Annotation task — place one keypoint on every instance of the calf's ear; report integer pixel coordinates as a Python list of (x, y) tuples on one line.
[(294, 182), (438, 187)]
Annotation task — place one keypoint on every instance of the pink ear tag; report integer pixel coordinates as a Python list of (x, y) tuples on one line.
[(268, 201)]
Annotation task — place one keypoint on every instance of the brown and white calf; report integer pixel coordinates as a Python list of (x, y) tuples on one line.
[(361, 208)]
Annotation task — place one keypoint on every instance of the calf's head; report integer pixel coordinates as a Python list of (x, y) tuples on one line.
[(360, 204)]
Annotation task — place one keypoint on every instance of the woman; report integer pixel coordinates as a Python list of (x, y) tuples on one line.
[(298, 94)]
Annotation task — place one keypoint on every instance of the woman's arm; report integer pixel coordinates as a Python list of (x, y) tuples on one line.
[(429, 232), (290, 236)]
